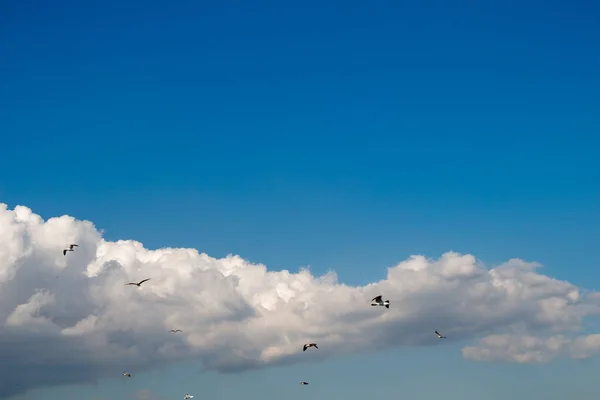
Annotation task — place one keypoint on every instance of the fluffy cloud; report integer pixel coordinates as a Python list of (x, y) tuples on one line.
[(236, 315)]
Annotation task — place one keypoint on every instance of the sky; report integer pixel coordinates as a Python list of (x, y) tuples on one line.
[(443, 155)]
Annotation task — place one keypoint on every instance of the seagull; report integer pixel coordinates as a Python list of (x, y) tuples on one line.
[(139, 284), (378, 301), (188, 396), (306, 346), (127, 374), (304, 383), (440, 335), (175, 330)]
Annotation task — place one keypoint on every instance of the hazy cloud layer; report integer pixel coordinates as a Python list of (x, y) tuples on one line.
[(527, 349), (237, 315), (145, 395)]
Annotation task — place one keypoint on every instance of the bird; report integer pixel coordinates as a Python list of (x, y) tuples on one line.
[(127, 374), (440, 335), (175, 330), (306, 346), (69, 249), (378, 301), (139, 284), (304, 383), (188, 396)]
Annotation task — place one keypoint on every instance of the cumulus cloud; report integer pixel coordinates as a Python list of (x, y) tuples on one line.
[(237, 315)]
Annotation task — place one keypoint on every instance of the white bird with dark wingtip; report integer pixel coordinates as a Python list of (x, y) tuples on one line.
[(306, 346), (440, 335), (69, 249), (127, 374), (304, 383), (188, 396), (378, 301)]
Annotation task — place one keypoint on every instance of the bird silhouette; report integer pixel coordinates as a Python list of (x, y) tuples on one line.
[(69, 249), (138, 284)]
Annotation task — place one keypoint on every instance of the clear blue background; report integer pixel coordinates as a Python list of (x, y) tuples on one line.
[(343, 135)]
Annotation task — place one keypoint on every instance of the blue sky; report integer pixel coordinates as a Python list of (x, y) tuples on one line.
[(340, 135)]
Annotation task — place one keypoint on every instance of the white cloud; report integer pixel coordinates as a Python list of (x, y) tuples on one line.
[(237, 315), (527, 349)]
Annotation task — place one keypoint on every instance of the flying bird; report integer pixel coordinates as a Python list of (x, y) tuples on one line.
[(175, 330), (306, 346), (127, 374), (304, 383), (139, 284), (188, 396), (440, 335), (69, 249), (378, 301)]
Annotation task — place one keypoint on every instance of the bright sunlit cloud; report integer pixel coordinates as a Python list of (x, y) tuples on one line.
[(237, 315)]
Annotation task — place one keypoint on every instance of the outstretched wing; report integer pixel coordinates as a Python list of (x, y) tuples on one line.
[(377, 299), (64, 252), (131, 283), (145, 280)]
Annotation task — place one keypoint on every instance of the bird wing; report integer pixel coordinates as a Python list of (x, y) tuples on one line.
[(377, 299), (131, 283), (73, 245), (305, 347), (64, 252), (315, 346), (145, 280), (437, 333)]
